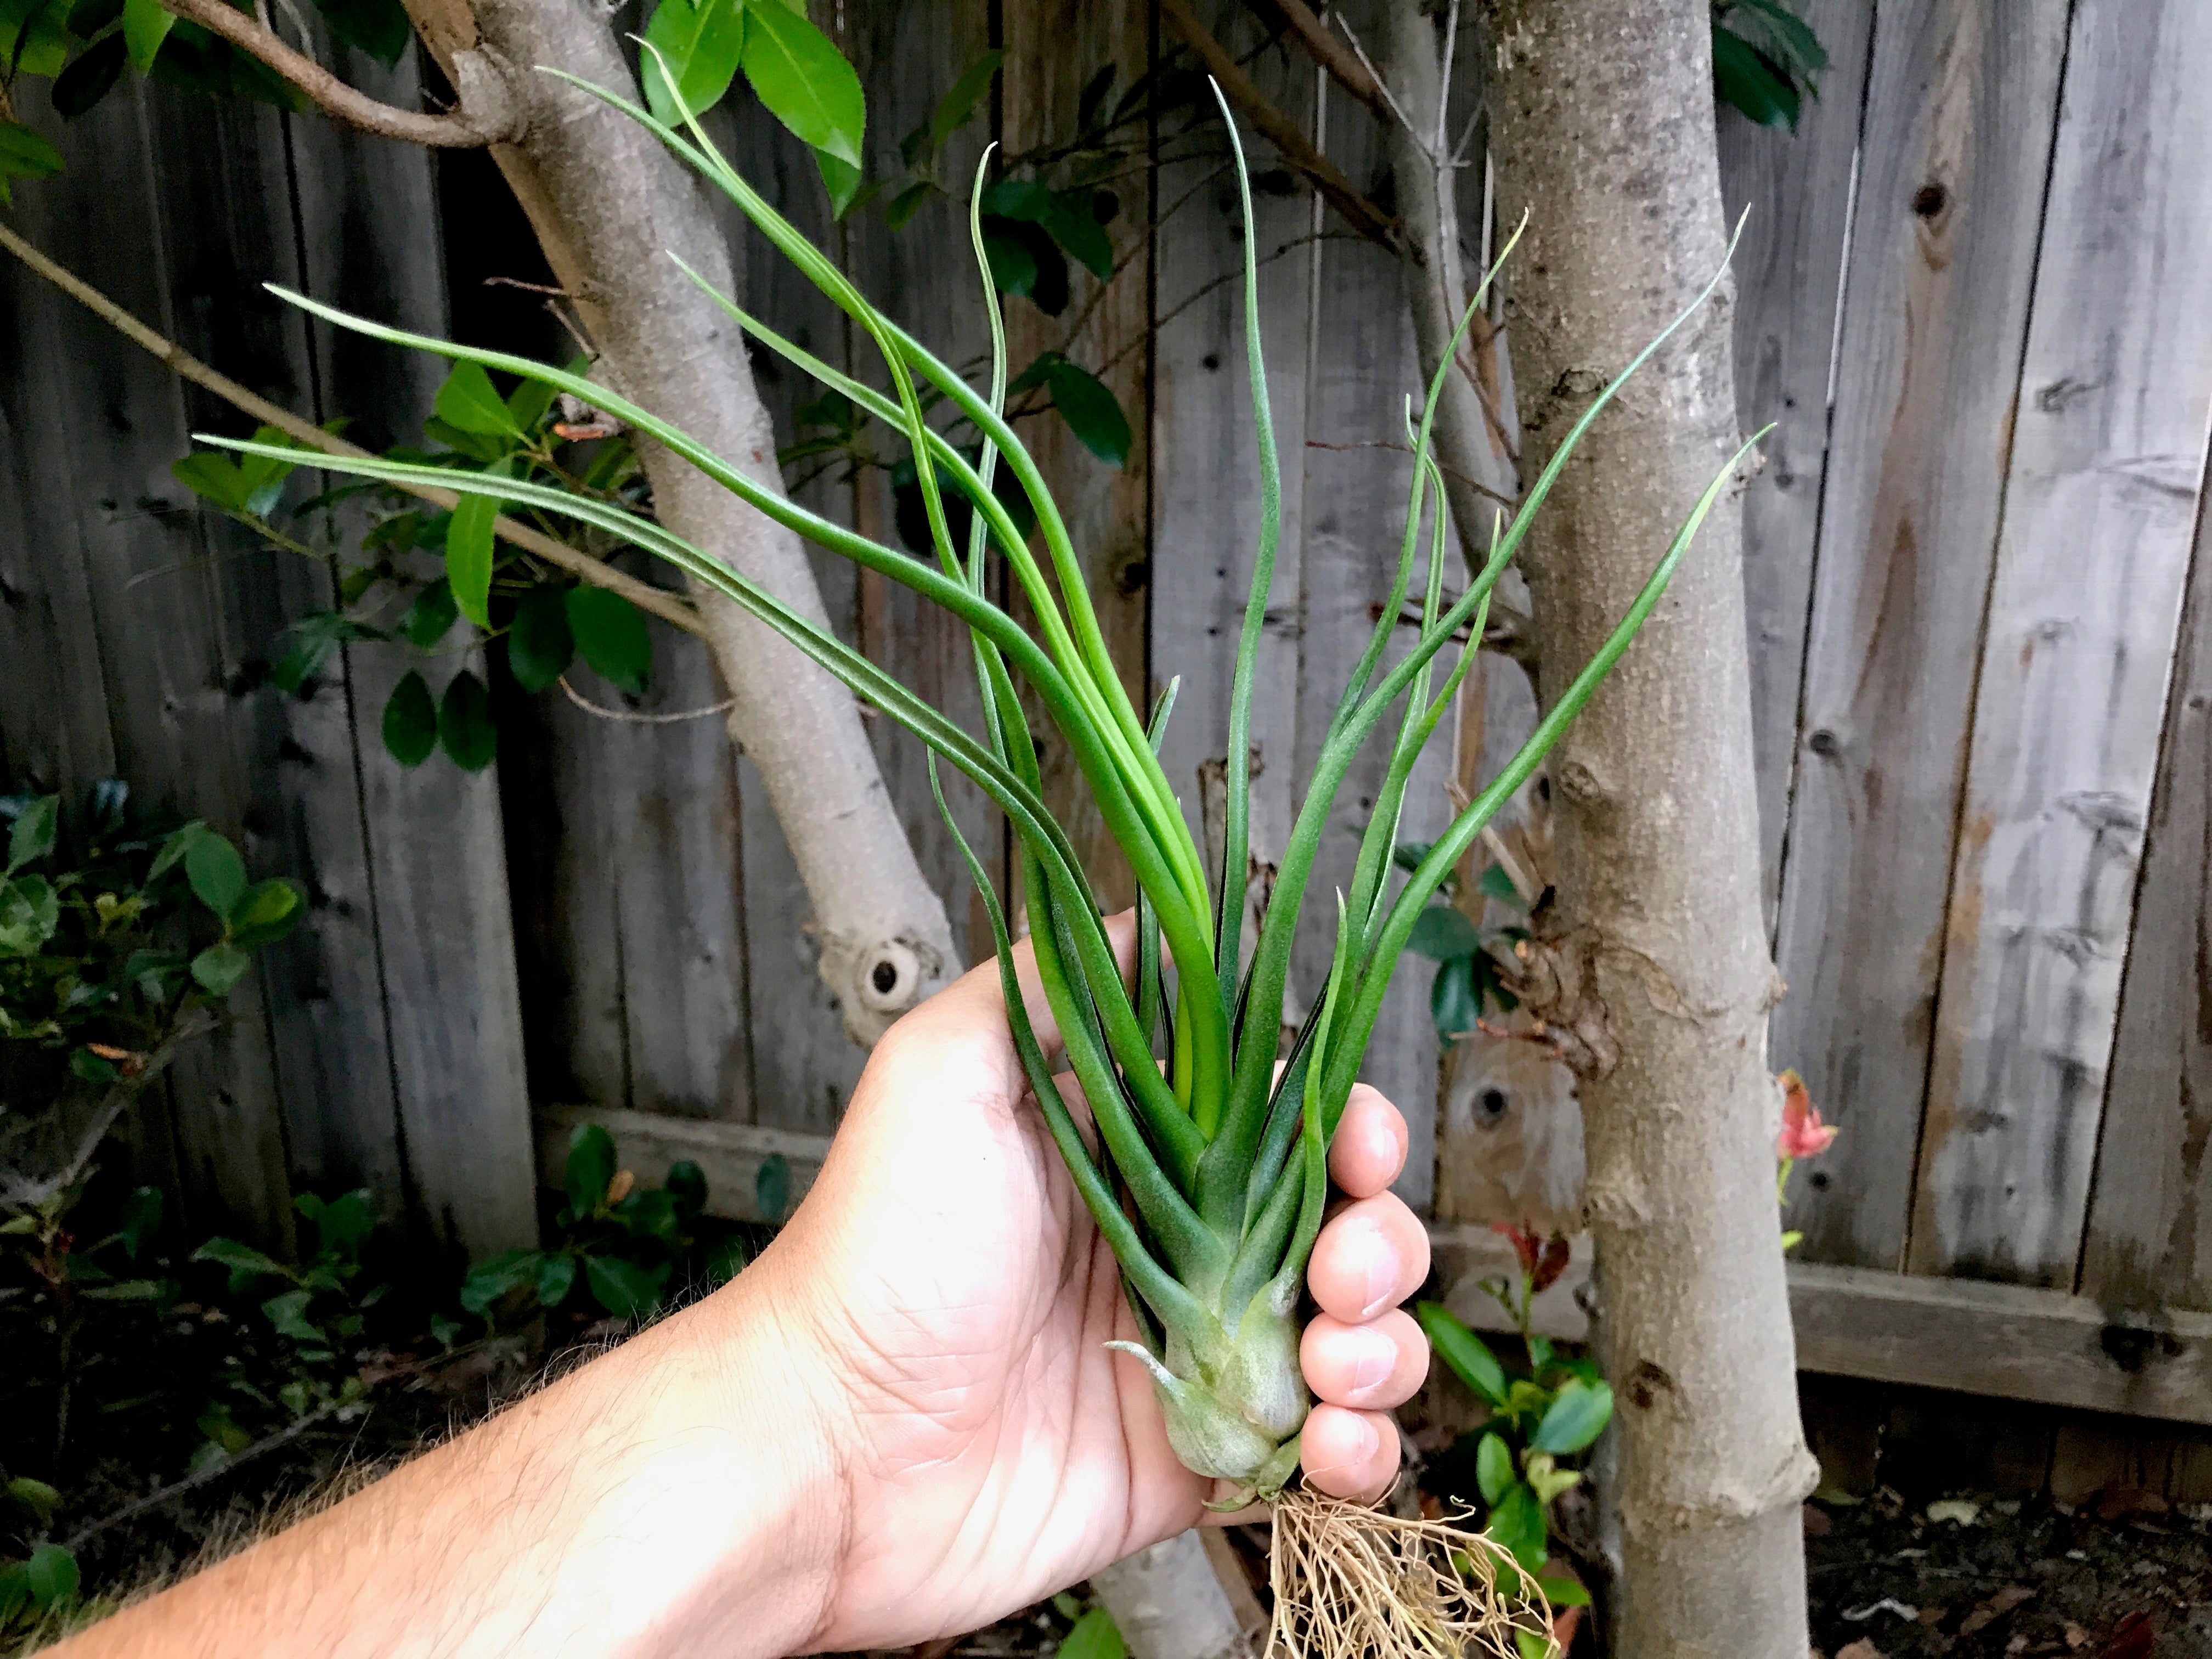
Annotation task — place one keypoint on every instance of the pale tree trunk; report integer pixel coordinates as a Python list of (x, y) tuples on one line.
[(1654, 964), (1169, 1603), (608, 204)]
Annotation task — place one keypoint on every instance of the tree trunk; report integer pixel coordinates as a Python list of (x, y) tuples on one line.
[(1167, 1603), (1654, 961), (609, 203)]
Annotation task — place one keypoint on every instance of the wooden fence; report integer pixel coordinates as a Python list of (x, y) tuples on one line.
[(1974, 296)]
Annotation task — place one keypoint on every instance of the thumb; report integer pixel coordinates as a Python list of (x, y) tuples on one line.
[(973, 1006)]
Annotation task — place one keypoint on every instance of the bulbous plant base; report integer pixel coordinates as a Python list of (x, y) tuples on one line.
[(1356, 1583)]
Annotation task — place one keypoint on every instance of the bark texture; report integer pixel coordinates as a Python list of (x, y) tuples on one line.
[(1653, 964), (608, 203), (1167, 1603)]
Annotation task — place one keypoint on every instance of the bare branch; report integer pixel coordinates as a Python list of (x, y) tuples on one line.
[(1327, 51), (333, 96), (630, 717), (1296, 151), (669, 607)]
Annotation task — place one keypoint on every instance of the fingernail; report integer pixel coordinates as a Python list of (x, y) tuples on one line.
[(1379, 1279), (1374, 1357), (1360, 1446)]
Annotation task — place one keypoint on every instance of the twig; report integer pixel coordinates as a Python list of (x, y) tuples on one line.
[(669, 607), (333, 96), (1342, 67), (633, 719), (1384, 87), (1297, 154), (1200, 293), (21, 1192), (212, 1473)]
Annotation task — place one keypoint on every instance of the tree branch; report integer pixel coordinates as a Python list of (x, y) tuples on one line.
[(669, 607), (1325, 49), (333, 96), (1296, 151)]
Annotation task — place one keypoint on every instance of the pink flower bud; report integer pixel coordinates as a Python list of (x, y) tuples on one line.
[(1803, 1134)]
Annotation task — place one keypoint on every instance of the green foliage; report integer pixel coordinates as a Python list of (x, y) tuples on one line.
[(1094, 1636), (1469, 980), (1766, 58), (110, 935), (618, 1247), (1554, 1409)]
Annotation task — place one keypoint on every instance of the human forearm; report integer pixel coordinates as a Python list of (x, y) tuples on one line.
[(675, 1495)]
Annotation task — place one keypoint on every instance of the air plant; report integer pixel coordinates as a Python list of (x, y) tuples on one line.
[(1208, 1175)]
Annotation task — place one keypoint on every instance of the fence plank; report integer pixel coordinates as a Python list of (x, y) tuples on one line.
[(2150, 1211), (1959, 114), (1796, 186), (2108, 459)]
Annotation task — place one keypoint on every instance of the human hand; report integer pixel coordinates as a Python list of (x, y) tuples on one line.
[(952, 1301)]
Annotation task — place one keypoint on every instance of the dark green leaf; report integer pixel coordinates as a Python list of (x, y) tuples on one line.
[(957, 105), (220, 967), (86, 18), (432, 614), (772, 1187), (142, 1219), (36, 1496), (30, 911), (212, 478), (468, 556), (288, 1312), (86, 1066), (1073, 221), (1747, 80), (32, 837), (1441, 932), (841, 179), (1493, 1467), (88, 78), (650, 1213), (1095, 1635), (1516, 1521), (1577, 1415), (901, 208), (216, 873), (726, 1259), (804, 81), (556, 1277), (146, 24), (342, 1226), (623, 1288), (1455, 996), (314, 638), (611, 632), (51, 1573), (1464, 1352), (465, 729), (1497, 885), (469, 403), (530, 401), (687, 1186), (1091, 411), (178, 843), (410, 721), (379, 27), (1013, 267), (266, 912), (26, 155), (491, 1278), (240, 1259), (539, 643), (590, 1166), (1029, 200), (702, 44), (34, 37), (1792, 37)]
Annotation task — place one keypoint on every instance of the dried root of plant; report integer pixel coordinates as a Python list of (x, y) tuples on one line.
[(1355, 1582)]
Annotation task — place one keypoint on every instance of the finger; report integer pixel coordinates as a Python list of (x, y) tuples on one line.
[(1374, 1366), (1372, 1255), (1370, 1147), (1349, 1454)]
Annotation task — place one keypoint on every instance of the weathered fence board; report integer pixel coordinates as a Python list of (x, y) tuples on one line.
[(1954, 145), (1796, 186), (2106, 460), (2150, 1239)]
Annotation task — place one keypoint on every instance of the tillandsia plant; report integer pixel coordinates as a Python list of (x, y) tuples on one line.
[(1209, 1173)]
